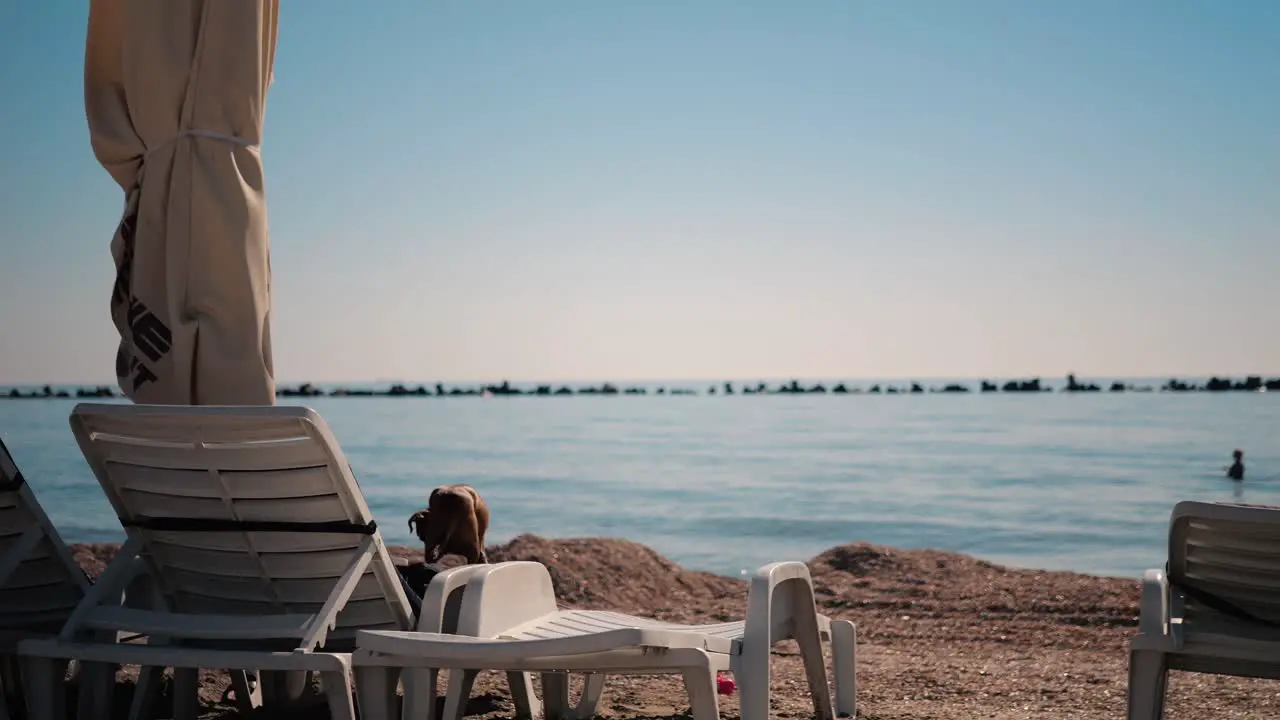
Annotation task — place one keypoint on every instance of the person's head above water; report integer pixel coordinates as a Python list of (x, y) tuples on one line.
[(1236, 471)]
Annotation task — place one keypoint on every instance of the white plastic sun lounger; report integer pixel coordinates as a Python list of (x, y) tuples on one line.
[(40, 581), (509, 621), (256, 535), (1217, 610)]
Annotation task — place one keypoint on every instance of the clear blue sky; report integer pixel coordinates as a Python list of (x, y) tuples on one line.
[(710, 188)]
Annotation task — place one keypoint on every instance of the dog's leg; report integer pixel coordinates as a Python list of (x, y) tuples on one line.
[(479, 524), (465, 539)]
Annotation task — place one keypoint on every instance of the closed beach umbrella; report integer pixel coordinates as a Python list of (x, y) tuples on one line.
[(175, 92)]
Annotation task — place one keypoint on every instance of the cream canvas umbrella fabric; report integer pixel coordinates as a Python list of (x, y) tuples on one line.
[(175, 92)]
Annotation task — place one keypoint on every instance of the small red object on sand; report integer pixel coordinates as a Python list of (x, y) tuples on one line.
[(725, 685)]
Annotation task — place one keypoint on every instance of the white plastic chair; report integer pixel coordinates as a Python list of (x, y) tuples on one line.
[(1217, 609), (256, 536), (509, 621), (441, 608)]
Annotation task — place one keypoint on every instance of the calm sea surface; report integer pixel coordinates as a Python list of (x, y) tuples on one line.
[(1082, 482)]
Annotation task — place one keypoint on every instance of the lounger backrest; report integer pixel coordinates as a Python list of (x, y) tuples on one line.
[(241, 510), (40, 582), (1231, 551)]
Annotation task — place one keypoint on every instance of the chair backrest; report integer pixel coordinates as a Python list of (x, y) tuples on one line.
[(1231, 551), (242, 510), (40, 581)]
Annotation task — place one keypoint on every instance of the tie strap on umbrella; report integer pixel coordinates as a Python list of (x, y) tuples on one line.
[(209, 135)]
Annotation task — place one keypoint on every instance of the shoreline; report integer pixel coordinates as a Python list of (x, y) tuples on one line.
[(1252, 383), (409, 553), (941, 635)]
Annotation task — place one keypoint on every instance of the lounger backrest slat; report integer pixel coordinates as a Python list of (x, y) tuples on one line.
[(365, 613), (1230, 551), (40, 585), (270, 543), (245, 510), (306, 557), (228, 456), (46, 584), (300, 495)]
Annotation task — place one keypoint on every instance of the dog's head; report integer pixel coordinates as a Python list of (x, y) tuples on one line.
[(418, 523)]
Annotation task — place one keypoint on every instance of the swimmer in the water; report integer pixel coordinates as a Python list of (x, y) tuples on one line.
[(1236, 471)]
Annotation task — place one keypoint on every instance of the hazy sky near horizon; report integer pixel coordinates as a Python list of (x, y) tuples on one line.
[(471, 190)]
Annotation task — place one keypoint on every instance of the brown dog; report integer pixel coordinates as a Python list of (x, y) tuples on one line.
[(453, 523)]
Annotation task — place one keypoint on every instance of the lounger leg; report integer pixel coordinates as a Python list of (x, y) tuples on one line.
[(1148, 673), (592, 690), (815, 666), (42, 681), (421, 687), (97, 685), (186, 693), (752, 673), (10, 685), (459, 692), (522, 695), (283, 689), (555, 695), (701, 686), (376, 691), (147, 689), (337, 689), (247, 688), (844, 661), (145, 692)]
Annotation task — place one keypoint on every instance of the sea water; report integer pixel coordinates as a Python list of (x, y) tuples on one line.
[(1077, 482)]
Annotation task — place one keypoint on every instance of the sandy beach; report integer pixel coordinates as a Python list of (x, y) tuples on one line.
[(941, 635)]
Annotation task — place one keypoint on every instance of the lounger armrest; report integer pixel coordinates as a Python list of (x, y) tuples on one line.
[(1153, 617), (777, 595), (1177, 615), (205, 627), (505, 595), (441, 602), (774, 574), (435, 646), (108, 589)]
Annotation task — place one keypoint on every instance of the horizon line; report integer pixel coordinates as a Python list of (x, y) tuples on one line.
[(749, 380)]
